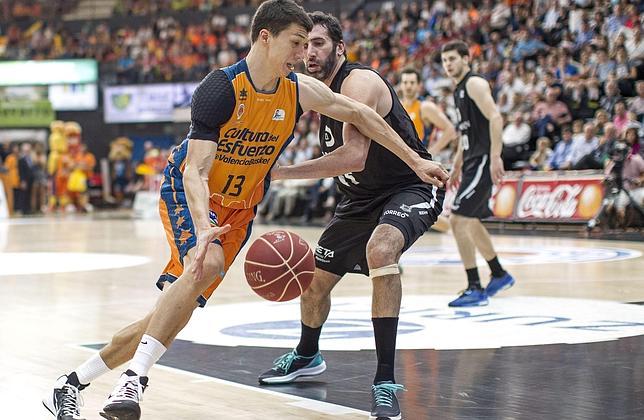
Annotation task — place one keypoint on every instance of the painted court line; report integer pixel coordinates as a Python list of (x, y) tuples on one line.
[(301, 402)]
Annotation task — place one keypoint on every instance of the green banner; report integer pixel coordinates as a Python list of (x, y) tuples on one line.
[(26, 114)]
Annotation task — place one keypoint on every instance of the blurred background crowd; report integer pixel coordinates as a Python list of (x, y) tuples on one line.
[(567, 75)]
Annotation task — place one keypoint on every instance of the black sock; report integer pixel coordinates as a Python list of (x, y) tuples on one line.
[(72, 379), (473, 281), (495, 266), (309, 341), (384, 331)]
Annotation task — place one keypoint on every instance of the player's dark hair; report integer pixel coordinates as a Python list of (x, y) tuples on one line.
[(277, 15), (411, 70), (331, 24), (459, 46)]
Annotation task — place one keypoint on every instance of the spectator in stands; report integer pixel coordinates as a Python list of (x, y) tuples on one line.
[(600, 120), (634, 44), (598, 157), (560, 158), (605, 66), (540, 158), (516, 138), (620, 120), (549, 115), (612, 96), (582, 146), (636, 104)]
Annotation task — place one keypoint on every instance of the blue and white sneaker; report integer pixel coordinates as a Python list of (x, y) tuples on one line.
[(291, 366), (470, 297), (497, 284), (384, 403)]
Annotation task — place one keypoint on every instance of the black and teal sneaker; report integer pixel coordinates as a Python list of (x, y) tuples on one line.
[(384, 403), (291, 366)]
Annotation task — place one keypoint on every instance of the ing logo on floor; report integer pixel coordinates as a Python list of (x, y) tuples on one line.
[(425, 323), (424, 256)]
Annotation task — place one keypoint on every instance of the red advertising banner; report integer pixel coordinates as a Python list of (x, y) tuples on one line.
[(560, 198), (544, 196)]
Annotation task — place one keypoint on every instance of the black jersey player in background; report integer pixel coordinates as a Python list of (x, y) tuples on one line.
[(385, 209), (478, 159)]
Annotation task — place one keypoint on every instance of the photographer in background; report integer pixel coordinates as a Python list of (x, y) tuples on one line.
[(626, 172)]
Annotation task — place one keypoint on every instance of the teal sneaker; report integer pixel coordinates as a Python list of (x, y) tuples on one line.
[(384, 403), (291, 366)]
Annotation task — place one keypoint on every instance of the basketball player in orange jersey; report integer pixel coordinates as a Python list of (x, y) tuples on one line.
[(424, 113), (478, 166), (243, 116), (385, 208)]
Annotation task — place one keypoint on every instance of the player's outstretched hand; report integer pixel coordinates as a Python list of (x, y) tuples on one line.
[(432, 173), (496, 170), (204, 239)]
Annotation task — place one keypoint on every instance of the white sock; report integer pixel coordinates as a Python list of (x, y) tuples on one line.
[(147, 354), (91, 369)]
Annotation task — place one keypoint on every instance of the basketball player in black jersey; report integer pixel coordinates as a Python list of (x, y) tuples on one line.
[(477, 166), (385, 209)]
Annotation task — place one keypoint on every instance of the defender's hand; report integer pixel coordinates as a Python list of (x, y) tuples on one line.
[(204, 239), (432, 173)]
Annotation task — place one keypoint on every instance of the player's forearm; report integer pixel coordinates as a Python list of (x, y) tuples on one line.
[(339, 162), (496, 131), (195, 185), (372, 126)]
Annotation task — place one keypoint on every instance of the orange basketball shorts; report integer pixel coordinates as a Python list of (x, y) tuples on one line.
[(180, 231)]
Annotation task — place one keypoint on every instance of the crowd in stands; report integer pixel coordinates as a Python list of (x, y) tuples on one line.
[(566, 75)]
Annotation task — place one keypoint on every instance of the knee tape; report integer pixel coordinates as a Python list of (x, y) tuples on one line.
[(384, 271)]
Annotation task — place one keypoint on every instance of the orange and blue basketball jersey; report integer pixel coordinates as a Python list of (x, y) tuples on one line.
[(414, 113), (251, 129)]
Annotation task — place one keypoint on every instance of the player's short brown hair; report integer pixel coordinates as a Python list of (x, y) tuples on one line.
[(459, 46), (277, 15), (411, 70)]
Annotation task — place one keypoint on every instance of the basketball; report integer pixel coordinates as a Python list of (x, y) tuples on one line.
[(279, 266)]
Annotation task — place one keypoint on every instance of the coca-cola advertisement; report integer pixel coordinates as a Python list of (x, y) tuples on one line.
[(568, 199), (540, 196)]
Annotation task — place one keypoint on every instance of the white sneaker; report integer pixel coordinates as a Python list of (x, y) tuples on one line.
[(123, 402), (64, 401)]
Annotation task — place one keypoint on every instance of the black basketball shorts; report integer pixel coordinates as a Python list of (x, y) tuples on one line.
[(473, 196), (343, 244)]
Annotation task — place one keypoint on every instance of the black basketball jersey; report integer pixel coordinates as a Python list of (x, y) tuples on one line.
[(384, 172), (474, 127)]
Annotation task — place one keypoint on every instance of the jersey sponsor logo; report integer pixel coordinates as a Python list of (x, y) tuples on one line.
[(243, 94), (329, 142), (234, 147), (279, 115), (511, 321), (395, 213), (323, 254)]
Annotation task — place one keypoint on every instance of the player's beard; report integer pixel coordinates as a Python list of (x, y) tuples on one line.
[(325, 67)]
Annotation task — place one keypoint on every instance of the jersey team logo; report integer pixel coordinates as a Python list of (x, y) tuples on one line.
[(279, 115), (240, 110)]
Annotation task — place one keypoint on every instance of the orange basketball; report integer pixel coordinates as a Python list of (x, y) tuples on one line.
[(279, 266)]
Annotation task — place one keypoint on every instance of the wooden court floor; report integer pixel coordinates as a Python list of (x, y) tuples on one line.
[(68, 282)]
